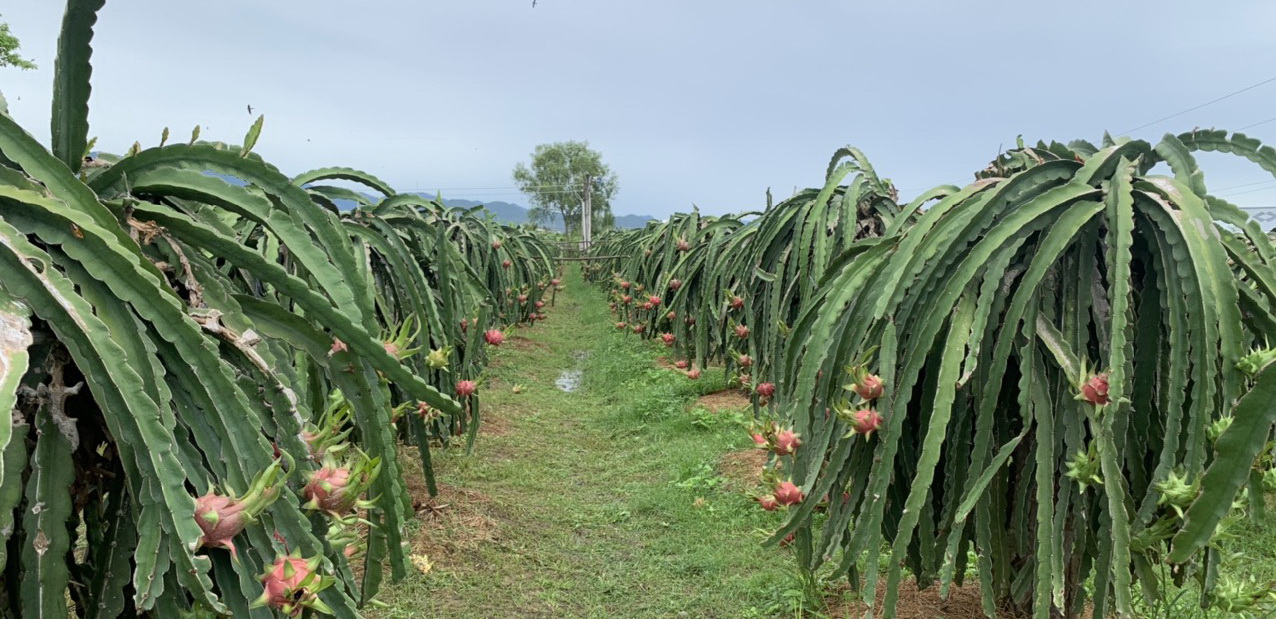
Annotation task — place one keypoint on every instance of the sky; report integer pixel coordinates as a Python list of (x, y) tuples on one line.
[(691, 102)]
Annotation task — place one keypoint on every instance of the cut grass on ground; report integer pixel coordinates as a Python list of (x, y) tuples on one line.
[(606, 502)]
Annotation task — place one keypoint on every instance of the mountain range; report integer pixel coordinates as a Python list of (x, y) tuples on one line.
[(510, 213)]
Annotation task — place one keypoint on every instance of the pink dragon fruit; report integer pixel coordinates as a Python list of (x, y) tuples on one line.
[(326, 490), (675, 284), (494, 337), (292, 585), (466, 388), (866, 422), (668, 338), (869, 386), (744, 361), (391, 348), (1095, 390), (222, 517), (787, 442), (336, 489), (787, 494), (765, 390), (741, 331)]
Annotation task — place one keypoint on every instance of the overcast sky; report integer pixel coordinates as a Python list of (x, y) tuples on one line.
[(704, 102)]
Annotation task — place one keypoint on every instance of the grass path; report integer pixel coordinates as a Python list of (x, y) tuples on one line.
[(604, 502)]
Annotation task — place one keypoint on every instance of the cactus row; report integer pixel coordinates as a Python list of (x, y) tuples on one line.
[(212, 368), (1057, 372)]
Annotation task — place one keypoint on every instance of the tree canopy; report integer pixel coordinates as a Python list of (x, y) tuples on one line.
[(9, 45), (555, 183)]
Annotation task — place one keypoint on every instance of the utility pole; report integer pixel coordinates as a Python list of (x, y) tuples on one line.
[(587, 215)]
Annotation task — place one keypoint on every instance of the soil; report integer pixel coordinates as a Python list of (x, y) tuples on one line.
[(725, 400), (456, 520), (494, 421), (743, 469), (962, 603), (520, 342)]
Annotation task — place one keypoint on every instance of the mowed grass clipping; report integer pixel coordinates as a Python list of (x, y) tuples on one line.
[(611, 501)]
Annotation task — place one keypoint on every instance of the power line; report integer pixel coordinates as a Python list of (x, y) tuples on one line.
[(1241, 193), (1192, 109), (517, 189), (1261, 122), (1246, 185)]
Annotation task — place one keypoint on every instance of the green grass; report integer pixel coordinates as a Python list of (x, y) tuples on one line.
[(1248, 553), (606, 502)]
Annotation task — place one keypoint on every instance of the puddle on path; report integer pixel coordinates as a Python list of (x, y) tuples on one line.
[(569, 380)]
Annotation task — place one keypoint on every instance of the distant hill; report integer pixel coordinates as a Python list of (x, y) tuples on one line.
[(625, 222), (517, 214), (505, 212)]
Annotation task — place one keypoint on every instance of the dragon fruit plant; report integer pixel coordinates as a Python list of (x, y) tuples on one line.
[(194, 329), (1054, 346)]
